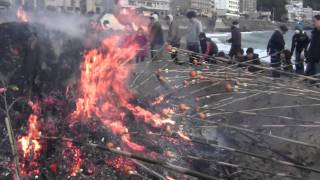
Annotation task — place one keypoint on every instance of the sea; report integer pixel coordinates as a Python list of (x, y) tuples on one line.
[(256, 39)]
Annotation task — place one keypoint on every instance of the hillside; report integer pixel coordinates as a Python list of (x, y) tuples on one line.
[(279, 7), (315, 4)]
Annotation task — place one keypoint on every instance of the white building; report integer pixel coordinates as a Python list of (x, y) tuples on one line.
[(203, 7), (162, 7), (296, 11), (296, 3), (83, 6), (229, 8), (248, 6)]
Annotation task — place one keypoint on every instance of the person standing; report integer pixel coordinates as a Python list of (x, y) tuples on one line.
[(174, 36), (142, 40), (156, 35), (192, 37), (235, 39), (275, 46), (300, 42), (313, 54)]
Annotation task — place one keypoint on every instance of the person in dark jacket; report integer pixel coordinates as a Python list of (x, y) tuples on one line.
[(252, 58), (313, 54), (235, 39), (275, 46), (300, 42), (174, 36), (156, 36), (239, 58), (286, 56), (208, 47)]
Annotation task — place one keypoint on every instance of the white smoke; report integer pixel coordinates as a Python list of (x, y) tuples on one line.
[(74, 25)]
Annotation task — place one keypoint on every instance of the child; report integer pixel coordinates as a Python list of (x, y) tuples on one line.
[(142, 41), (285, 57)]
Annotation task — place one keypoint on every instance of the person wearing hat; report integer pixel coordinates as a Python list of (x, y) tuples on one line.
[(313, 54), (208, 47), (174, 36), (275, 46), (300, 42), (156, 35), (194, 28), (235, 39)]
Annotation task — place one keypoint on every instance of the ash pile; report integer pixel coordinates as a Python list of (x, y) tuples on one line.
[(79, 113)]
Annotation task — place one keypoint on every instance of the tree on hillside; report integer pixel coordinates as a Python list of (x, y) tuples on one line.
[(314, 4), (275, 6)]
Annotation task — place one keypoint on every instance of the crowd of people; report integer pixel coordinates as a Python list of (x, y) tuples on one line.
[(306, 50)]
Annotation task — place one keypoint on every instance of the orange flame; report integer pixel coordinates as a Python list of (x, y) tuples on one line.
[(183, 136), (103, 90), (30, 145), (170, 178), (22, 15)]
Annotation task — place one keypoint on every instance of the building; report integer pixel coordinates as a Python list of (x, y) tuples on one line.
[(228, 8), (83, 6), (266, 15), (179, 7), (296, 3), (203, 7), (162, 7), (67, 5), (296, 11), (248, 6), (4, 4), (315, 13)]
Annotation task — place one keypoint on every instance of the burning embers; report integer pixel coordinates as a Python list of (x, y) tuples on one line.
[(75, 154), (103, 98), (103, 91)]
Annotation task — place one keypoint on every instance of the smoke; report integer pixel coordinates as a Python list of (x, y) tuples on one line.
[(73, 25)]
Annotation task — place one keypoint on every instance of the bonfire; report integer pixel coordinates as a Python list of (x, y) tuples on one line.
[(109, 118)]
